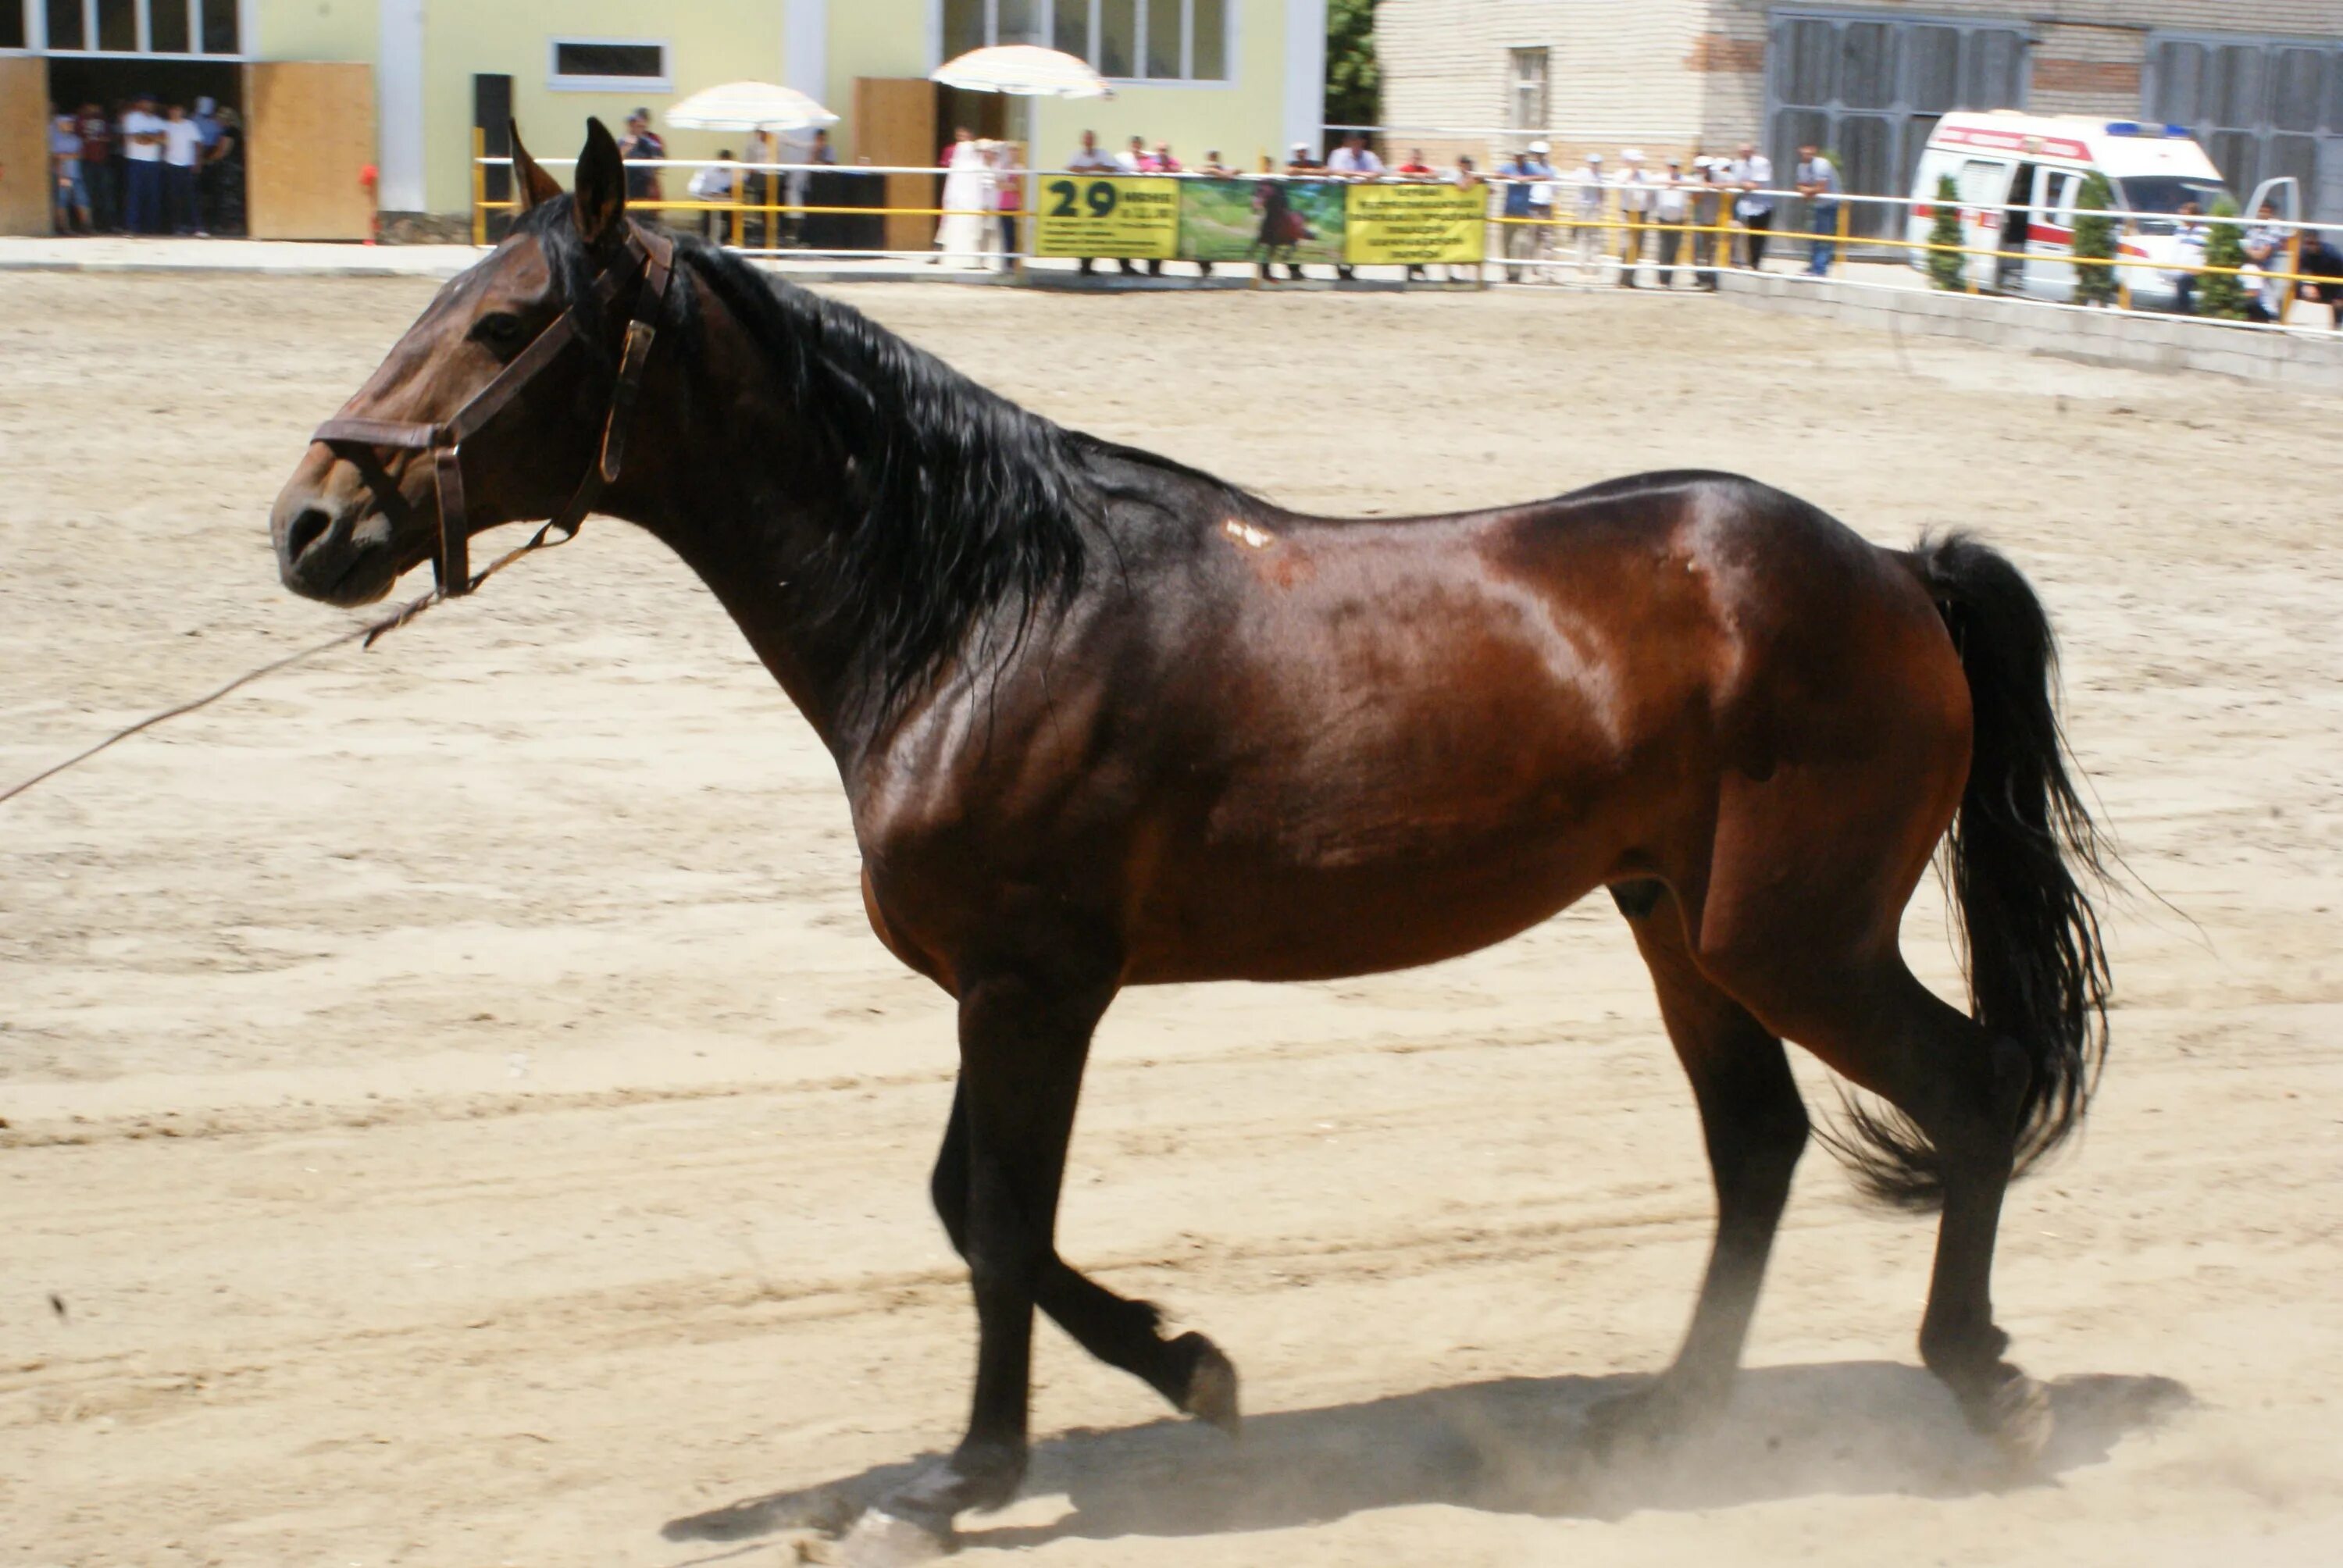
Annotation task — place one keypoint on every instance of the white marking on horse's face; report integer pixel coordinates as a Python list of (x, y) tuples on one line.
[(1245, 534)]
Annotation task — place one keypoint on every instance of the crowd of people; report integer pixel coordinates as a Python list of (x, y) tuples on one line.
[(2316, 271), (146, 166)]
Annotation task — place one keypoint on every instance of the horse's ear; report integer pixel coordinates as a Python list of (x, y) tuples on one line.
[(536, 186), (601, 204)]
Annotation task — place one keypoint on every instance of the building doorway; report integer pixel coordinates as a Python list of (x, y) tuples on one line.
[(113, 83)]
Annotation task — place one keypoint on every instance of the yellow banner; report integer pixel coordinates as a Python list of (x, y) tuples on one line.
[(1396, 225), (1110, 215)]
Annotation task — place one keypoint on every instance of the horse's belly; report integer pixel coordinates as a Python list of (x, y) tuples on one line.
[(1374, 894)]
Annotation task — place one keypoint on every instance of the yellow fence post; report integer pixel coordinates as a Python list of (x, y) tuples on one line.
[(480, 187), (2293, 270)]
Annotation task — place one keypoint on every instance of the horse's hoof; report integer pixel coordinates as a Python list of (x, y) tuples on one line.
[(2016, 1417), (882, 1540), (1212, 1396)]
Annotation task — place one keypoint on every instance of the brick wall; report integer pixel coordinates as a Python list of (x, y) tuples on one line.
[(1620, 72)]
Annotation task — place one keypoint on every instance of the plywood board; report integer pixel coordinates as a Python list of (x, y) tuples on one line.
[(895, 123), (313, 139), (24, 178)]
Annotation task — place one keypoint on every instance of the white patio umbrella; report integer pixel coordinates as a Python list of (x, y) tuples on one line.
[(750, 106), (1024, 70)]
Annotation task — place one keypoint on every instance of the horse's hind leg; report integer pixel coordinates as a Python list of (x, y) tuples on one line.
[(1189, 1370), (1756, 1127), (1816, 959), (1962, 1087)]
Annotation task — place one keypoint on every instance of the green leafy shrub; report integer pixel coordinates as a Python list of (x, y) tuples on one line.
[(2095, 243), (2219, 293), (1946, 265)]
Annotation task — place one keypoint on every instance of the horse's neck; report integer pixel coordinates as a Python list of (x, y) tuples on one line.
[(728, 503)]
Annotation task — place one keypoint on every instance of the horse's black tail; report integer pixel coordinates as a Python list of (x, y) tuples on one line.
[(2020, 848)]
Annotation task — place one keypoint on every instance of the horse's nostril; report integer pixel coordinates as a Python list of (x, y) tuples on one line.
[(307, 529)]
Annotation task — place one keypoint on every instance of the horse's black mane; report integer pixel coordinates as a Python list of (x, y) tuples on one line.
[(956, 500)]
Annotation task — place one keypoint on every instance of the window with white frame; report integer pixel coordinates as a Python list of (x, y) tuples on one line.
[(1527, 69), (183, 29), (1130, 40), (608, 66)]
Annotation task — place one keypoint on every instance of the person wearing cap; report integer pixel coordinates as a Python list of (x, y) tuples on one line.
[(1514, 241), (1670, 206), (1817, 181), (1543, 188), (642, 145), (1588, 182), (1707, 219), (142, 145), (1634, 208)]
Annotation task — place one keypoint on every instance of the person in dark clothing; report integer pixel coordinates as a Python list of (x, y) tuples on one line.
[(2321, 266), (223, 169), (99, 169), (640, 144)]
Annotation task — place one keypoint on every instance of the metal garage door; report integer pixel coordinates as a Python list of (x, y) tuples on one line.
[(2262, 106), (1870, 89)]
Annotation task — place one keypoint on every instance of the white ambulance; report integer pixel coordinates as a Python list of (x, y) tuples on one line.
[(2019, 176)]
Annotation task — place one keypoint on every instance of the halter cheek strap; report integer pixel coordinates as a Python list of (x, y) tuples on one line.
[(652, 255)]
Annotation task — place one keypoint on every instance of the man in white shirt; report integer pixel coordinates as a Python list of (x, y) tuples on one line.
[(1539, 199), (1588, 184), (714, 184), (1671, 208), (1090, 159), (1634, 208), (1751, 171), (1817, 181), (1354, 160), (182, 144), (142, 153)]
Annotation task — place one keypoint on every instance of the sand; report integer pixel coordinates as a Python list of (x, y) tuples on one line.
[(456, 1113)]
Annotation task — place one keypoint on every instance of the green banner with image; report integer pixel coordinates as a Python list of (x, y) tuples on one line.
[(1262, 219)]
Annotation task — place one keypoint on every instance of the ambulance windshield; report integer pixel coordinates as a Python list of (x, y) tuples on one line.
[(2163, 194)]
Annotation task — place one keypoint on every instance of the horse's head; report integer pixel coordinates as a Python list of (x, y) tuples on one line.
[(364, 507)]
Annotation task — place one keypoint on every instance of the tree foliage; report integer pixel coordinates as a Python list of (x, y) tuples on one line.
[(2095, 243), (1354, 81), (2219, 293), (1947, 267)]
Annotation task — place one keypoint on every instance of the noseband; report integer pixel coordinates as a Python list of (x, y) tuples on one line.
[(651, 254)]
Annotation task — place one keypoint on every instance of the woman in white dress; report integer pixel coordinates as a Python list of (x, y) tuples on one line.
[(968, 201)]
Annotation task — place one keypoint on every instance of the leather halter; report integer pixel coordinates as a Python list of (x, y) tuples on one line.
[(654, 256)]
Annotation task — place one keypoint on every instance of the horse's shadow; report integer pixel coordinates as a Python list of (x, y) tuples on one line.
[(1514, 1445)]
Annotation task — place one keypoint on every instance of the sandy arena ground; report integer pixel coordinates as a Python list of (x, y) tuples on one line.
[(454, 1113)]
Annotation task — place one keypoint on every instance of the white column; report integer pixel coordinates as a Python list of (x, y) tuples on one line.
[(398, 107), (805, 49), (1306, 73)]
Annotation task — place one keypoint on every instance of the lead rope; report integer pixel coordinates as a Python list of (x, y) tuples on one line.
[(367, 636), (657, 256)]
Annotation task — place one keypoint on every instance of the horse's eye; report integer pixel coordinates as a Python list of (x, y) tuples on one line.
[(500, 329)]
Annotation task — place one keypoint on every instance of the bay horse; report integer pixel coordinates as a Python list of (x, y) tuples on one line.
[(1105, 720)]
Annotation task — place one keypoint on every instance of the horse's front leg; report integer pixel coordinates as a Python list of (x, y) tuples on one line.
[(1024, 1034)]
